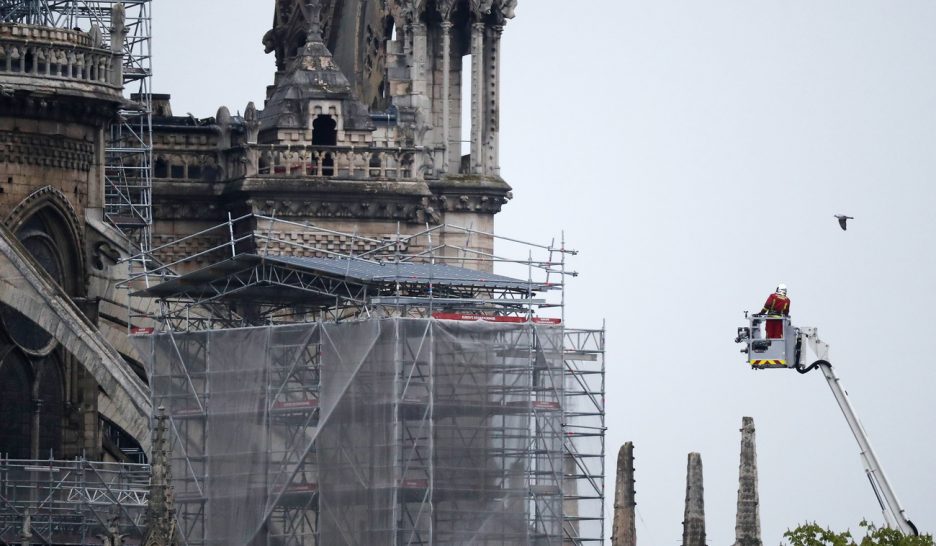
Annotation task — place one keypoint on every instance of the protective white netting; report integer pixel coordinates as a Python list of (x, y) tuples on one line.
[(393, 431)]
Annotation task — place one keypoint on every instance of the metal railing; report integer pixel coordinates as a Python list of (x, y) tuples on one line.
[(344, 162), (71, 502)]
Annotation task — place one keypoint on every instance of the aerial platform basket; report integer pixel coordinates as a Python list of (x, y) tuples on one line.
[(771, 341), (764, 350)]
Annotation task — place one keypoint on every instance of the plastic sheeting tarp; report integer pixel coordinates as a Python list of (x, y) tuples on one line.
[(392, 431)]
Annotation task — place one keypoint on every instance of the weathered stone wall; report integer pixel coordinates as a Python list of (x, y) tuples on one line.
[(61, 88), (37, 153)]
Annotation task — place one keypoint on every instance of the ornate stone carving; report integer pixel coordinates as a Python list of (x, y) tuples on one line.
[(118, 17), (46, 151), (350, 207), (306, 243), (488, 204), (104, 255), (480, 8), (191, 248), (446, 7), (508, 8), (160, 512)]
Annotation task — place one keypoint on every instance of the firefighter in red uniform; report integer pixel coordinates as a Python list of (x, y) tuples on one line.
[(778, 304)]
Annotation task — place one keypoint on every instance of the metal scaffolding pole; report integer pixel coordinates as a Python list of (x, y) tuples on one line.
[(71, 502)]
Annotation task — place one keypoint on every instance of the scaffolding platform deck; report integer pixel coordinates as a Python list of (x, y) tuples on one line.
[(314, 281)]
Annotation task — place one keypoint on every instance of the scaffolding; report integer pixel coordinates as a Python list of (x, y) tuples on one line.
[(405, 394), (584, 426), (259, 271), (128, 156), (72, 502)]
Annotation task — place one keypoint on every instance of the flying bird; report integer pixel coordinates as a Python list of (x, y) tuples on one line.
[(842, 219)]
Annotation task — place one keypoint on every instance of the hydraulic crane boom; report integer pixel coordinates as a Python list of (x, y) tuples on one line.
[(790, 351), (894, 513)]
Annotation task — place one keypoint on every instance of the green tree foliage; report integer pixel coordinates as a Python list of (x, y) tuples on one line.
[(811, 534)]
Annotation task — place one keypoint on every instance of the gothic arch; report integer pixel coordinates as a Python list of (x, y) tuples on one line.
[(33, 294), (24, 379), (48, 209)]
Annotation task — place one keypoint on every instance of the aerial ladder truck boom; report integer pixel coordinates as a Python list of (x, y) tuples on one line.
[(799, 345)]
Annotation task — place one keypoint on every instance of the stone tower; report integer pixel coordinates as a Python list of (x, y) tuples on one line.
[(360, 131), (64, 389), (694, 516), (747, 526), (624, 531)]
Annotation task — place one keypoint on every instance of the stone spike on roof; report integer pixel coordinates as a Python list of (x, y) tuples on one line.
[(694, 517), (624, 531), (747, 526)]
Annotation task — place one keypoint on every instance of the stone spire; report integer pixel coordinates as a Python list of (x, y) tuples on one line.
[(313, 75), (313, 14), (747, 526), (624, 532), (694, 518), (160, 513)]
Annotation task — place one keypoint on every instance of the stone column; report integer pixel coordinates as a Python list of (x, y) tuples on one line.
[(477, 93), (36, 424), (694, 516), (446, 94), (90, 429), (26, 530), (492, 99), (421, 93), (118, 32), (747, 521), (420, 58), (624, 529)]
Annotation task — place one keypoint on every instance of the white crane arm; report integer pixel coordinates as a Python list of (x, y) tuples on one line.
[(890, 505)]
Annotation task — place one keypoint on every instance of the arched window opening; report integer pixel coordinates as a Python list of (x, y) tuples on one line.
[(39, 239), (51, 241), (374, 165), (465, 133), (406, 166), (161, 169), (324, 131)]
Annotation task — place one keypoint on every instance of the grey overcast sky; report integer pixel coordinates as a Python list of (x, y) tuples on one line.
[(695, 153)]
